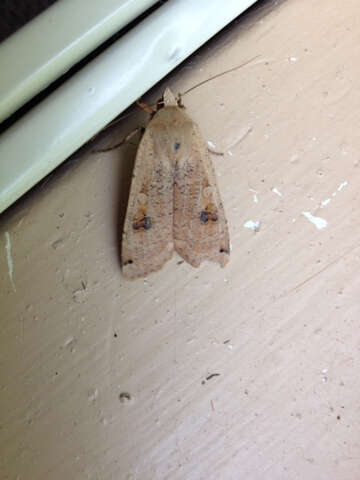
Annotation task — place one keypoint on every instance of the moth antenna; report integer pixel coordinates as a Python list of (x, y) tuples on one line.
[(220, 75), (122, 142)]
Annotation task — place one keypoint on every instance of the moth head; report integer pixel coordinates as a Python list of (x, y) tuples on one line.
[(169, 100)]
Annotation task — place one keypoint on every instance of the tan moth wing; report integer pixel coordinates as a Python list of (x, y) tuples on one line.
[(174, 200), (147, 241), (200, 227)]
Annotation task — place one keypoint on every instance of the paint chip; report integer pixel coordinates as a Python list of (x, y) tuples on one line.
[(325, 202), (319, 222), (342, 185), (276, 191), (9, 260), (252, 225), (255, 197)]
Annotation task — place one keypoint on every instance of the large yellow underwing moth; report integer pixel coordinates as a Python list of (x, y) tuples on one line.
[(174, 201)]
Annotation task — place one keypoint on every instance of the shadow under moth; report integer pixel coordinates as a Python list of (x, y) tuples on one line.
[(174, 201)]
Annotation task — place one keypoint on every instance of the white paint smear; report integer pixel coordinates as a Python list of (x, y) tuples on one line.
[(276, 191), (252, 225), (9, 260), (230, 153), (255, 197), (211, 145), (319, 222), (342, 185)]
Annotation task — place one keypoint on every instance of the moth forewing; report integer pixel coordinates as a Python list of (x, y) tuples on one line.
[(147, 241), (200, 226)]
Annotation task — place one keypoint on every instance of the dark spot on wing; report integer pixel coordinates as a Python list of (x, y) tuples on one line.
[(207, 215), (143, 224), (147, 223), (203, 217)]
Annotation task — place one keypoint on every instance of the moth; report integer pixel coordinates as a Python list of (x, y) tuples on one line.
[(174, 201)]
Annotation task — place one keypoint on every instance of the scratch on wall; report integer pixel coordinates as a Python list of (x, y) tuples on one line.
[(9, 260)]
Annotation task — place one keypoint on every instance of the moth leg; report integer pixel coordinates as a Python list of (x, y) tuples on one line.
[(221, 154), (145, 107), (179, 101)]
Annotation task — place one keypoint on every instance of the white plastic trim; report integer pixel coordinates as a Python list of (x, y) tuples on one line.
[(63, 122), (49, 45)]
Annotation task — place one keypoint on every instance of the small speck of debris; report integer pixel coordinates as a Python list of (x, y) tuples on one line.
[(115, 335), (180, 262), (338, 417), (93, 394), (79, 295), (246, 392), (125, 397), (226, 341), (70, 343), (212, 375)]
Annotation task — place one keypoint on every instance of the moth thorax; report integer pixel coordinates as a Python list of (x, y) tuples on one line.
[(169, 98)]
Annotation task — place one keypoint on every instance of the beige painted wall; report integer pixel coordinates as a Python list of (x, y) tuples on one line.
[(279, 324)]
